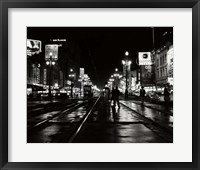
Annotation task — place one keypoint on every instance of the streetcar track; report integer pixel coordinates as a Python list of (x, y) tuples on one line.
[(57, 115), (74, 129), (46, 109), (41, 105), (49, 110), (82, 123), (51, 105)]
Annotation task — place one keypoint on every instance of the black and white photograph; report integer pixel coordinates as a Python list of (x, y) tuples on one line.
[(99, 84)]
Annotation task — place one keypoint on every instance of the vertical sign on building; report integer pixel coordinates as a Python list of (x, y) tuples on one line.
[(147, 75), (146, 68), (34, 74), (37, 75), (45, 76), (81, 72)]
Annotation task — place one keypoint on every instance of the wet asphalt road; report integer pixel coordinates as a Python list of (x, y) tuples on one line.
[(74, 121)]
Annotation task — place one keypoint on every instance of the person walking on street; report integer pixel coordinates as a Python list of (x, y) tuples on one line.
[(115, 95), (142, 94), (112, 99), (107, 93), (166, 95)]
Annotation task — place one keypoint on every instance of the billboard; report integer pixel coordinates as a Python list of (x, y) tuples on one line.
[(33, 47), (147, 75), (145, 58), (51, 51)]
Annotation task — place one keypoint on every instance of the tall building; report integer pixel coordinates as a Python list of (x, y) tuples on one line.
[(164, 65)]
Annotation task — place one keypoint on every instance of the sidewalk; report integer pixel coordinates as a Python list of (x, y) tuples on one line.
[(164, 120), (157, 107)]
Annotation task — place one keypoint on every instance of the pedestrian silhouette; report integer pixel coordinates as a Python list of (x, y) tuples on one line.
[(107, 93), (115, 96), (166, 95), (142, 94), (112, 100)]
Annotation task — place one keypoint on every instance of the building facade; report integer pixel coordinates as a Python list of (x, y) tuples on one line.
[(163, 61)]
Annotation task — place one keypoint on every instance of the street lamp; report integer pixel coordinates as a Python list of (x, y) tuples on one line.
[(81, 80), (71, 77), (116, 75), (110, 82), (126, 63), (50, 62), (126, 53)]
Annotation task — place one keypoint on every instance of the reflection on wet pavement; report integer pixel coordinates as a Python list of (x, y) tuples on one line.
[(159, 117), (74, 116), (106, 124), (43, 116), (159, 107), (116, 125), (43, 102), (45, 135), (117, 133), (123, 115)]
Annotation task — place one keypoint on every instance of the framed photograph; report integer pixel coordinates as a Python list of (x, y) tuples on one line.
[(99, 84)]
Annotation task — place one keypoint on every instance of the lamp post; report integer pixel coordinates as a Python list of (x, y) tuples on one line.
[(126, 63), (81, 83), (116, 75), (50, 62), (71, 77)]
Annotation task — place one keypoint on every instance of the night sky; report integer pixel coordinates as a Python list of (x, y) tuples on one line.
[(102, 48)]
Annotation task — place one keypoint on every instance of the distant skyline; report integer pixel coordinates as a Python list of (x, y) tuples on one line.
[(102, 48)]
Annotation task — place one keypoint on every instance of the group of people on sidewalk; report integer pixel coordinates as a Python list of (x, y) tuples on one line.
[(115, 93), (166, 95)]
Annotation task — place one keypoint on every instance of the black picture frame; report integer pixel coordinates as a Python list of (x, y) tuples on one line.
[(6, 4)]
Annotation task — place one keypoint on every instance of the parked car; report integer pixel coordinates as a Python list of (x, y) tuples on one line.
[(137, 93), (153, 96), (160, 96), (56, 92)]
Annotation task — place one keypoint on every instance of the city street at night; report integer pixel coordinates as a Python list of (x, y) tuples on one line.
[(100, 84), (94, 120)]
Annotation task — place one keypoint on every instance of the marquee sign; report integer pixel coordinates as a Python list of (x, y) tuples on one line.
[(33, 47)]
